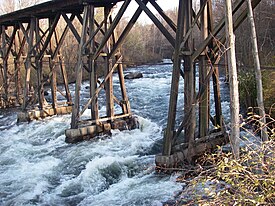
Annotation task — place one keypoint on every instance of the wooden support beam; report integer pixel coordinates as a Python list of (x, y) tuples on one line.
[(93, 74), (94, 33), (71, 26), (216, 30), (189, 85), (38, 65), (5, 64), (203, 71), (58, 52), (169, 134), (127, 29), (30, 38), (79, 67), (52, 25), (160, 26), (125, 101), (164, 16), (10, 44), (195, 21), (110, 112), (112, 27), (62, 38), (24, 31), (52, 63), (102, 84)]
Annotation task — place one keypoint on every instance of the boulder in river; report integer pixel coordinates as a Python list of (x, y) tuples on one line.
[(133, 75)]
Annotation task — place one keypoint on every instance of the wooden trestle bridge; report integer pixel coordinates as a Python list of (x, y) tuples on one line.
[(30, 41)]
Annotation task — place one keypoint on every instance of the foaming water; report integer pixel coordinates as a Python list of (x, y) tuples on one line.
[(39, 168)]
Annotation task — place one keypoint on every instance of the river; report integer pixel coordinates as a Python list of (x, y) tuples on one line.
[(39, 168)]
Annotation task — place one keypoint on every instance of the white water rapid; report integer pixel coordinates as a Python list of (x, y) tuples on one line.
[(39, 168)]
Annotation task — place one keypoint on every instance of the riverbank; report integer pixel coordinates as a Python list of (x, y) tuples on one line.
[(219, 179)]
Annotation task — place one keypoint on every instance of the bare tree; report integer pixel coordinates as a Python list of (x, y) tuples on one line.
[(258, 74), (233, 79)]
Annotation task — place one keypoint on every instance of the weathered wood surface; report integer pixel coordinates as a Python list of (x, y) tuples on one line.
[(181, 153), (27, 116)]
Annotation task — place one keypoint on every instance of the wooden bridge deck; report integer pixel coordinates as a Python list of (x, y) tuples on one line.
[(50, 9)]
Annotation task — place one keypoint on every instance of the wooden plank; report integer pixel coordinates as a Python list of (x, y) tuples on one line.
[(52, 64), (169, 134), (203, 71), (125, 103), (5, 65), (30, 38), (189, 86), (103, 119), (75, 112), (93, 75), (109, 90), (38, 64)]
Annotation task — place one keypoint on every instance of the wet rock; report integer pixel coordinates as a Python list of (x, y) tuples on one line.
[(46, 93), (133, 75)]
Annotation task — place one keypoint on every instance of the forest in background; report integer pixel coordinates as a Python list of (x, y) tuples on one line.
[(145, 44)]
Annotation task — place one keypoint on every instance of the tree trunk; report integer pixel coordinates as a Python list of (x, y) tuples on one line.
[(258, 74), (233, 81)]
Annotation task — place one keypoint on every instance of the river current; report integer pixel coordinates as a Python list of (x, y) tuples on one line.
[(39, 168)]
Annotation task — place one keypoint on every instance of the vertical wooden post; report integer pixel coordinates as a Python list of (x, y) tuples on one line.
[(118, 57), (79, 67), (109, 64), (258, 74), (189, 86), (5, 65), (109, 90), (233, 81), (62, 66), (126, 104), (17, 67), (169, 134), (92, 66), (52, 64), (217, 96), (28, 64), (215, 75), (38, 64), (204, 69)]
